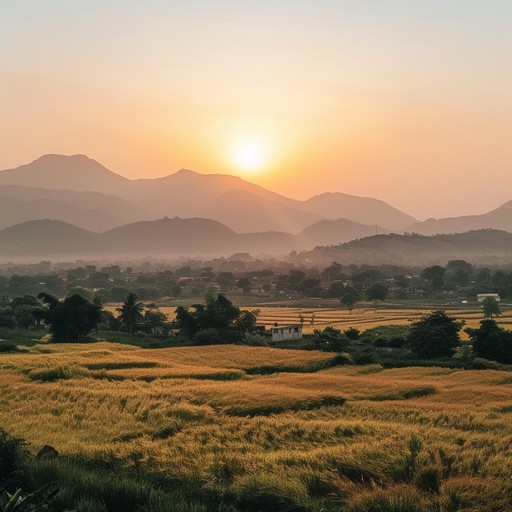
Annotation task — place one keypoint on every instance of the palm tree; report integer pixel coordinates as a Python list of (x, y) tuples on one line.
[(131, 312)]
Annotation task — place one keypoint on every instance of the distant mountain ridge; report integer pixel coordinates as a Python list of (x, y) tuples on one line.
[(486, 246), (203, 238), (80, 191), (500, 218), (241, 205), (165, 238), (88, 210)]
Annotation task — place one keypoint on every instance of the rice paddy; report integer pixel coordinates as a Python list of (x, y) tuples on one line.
[(360, 318), (198, 429)]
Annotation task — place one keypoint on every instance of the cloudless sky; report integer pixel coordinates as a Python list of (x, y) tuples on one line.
[(409, 101)]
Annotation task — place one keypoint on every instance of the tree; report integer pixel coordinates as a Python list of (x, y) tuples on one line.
[(245, 284), (459, 265), (111, 322), (23, 309), (154, 318), (330, 340), (226, 279), (216, 313), (377, 293), (7, 317), (492, 342), (335, 289), (350, 298), (131, 312), (434, 335), (333, 272), (246, 322), (434, 275), (490, 307), (186, 322), (71, 319)]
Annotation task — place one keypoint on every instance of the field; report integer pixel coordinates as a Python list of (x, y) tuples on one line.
[(361, 318), (235, 428)]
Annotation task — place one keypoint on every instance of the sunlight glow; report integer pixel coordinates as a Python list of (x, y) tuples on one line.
[(250, 155)]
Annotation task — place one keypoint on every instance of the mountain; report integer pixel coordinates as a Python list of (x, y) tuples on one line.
[(169, 236), (241, 205), (329, 232), (500, 218), (165, 238), (76, 172), (247, 212), (45, 239), (477, 247), (15, 211), (364, 210)]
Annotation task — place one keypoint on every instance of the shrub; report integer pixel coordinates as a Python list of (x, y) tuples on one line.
[(330, 340), (11, 455), (492, 342), (214, 336), (352, 333), (7, 346), (255, 340)]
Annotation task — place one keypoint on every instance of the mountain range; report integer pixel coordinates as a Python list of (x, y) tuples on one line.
[(74, 206), (485, 247), (239, 204), (205, 238)]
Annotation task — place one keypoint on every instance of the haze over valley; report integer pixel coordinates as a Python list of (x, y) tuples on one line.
[(71, 206)]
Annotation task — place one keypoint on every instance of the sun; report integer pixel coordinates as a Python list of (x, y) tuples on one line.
[(250, 155)]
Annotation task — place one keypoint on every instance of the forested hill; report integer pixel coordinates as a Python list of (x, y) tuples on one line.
[(486, 246)]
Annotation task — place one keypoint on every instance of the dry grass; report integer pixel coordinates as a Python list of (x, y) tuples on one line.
[(361, 318), (331, 440)]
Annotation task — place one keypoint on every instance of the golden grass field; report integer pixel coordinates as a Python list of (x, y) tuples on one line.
[(361, 318), (342, 438)]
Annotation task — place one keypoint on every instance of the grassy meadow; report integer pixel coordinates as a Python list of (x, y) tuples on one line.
[(237, 428)]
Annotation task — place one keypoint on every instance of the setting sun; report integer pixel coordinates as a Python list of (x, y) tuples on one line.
[(250, 155)]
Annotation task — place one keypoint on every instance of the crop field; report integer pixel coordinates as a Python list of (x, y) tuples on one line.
[(236, 428), (361, 318)]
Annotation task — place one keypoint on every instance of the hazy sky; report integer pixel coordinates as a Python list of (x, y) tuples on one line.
[(409, 101)]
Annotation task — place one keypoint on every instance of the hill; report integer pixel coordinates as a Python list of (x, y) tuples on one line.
[(329, 232), (241, 205), (165, 238), (76, 172), (500, 218), (477, 247), (45, 239), (88, 210), (364, 210), (247, 212)]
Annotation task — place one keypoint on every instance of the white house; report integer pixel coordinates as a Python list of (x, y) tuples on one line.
[(287, 332), (482, 296)]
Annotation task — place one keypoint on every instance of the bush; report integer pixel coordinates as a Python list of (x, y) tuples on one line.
[(394, 342), (330, 340), (352, 333), (11, 455), (7, 346), (255, 340), (214, 336), (492, 342)]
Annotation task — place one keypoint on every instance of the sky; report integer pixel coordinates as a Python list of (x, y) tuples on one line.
[(409, 101)]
